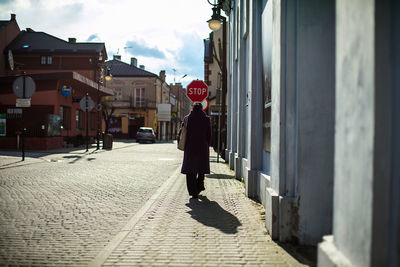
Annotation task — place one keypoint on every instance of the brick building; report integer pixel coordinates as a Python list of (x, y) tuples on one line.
[(64, 72)]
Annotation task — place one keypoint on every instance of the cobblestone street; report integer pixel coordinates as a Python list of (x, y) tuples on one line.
[(127, 206)]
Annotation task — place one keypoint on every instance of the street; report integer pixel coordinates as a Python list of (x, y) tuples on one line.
[(64, 208), (127, 206)]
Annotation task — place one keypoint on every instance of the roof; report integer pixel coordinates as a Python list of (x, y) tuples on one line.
[(122, 69), (40, 42)]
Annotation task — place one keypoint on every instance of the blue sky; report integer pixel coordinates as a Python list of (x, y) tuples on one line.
[(162, 34)]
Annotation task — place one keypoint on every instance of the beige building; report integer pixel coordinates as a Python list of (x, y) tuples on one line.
[(137, 93)]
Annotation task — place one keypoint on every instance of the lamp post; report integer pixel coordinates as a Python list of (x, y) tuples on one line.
[(215, 23)]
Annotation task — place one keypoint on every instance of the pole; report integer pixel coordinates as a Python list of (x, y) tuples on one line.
[(219, 132), (98, 116), (87, 122), (23, 117), (23, 144), (224, 87)]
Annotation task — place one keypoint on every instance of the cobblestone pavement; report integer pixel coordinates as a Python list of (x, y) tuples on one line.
[(62, 209), (222, 228), (130, 207)]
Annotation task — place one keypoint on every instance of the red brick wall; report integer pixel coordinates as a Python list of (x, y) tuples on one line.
[(6, 36), (60, 63)]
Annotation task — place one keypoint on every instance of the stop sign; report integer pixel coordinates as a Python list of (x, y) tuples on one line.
[(197, 91)]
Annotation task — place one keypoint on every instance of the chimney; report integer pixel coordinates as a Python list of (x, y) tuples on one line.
[(162, 75), (72, 40), (117, 57), (13, 17), (133, 61), (141, 66)]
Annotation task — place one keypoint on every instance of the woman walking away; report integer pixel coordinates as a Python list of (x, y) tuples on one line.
[(196, 161)]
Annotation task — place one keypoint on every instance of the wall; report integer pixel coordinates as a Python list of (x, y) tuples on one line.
[(297, 189), (7, 34), (366, 196), (85, 65)]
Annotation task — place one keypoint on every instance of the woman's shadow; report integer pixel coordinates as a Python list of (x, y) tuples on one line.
[(211, 214)]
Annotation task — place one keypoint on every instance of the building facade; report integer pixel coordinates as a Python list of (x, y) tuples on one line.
[(136, 99), (313, 116), (213, 62), (64, 72)]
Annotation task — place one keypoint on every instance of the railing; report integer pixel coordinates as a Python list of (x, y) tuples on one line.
[(128, 102)]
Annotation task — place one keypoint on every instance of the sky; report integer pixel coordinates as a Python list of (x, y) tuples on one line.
[(162, 34)]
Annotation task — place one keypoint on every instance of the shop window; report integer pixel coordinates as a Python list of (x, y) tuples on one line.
[(93, 120), (79, 119), (65, 115), (115, 125)]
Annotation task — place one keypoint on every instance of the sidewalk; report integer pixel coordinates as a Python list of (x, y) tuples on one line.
[(221, 228), (13, 158)]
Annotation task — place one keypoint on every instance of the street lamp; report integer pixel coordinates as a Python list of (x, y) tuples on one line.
[(215, 23)]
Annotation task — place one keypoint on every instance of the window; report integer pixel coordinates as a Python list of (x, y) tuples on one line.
[(79, 119), (139, 97), (93, 120), (267, 73), (46, 60), (65, 115), (117, 94)]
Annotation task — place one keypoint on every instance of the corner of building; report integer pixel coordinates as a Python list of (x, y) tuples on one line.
[(329, 255)]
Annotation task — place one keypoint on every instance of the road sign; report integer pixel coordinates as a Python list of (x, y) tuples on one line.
[(197, 91), (205, 104), (66, 90), (23, 103), (90, 103), (24, 86), (164, 112)]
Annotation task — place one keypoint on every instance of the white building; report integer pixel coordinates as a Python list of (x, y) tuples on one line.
[(313, 116)]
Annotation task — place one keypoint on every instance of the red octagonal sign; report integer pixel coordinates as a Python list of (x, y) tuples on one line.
[(197, 91)]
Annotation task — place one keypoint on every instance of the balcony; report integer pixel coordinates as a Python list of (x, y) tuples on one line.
[(127, 102)]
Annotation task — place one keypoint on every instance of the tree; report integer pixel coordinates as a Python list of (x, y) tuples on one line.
[(107, 111)]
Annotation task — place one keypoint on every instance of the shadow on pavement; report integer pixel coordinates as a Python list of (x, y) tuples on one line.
[(11, 163), (219, 176), (306, 255), (211, 214)]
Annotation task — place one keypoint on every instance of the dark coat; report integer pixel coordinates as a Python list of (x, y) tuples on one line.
[(196, 158)]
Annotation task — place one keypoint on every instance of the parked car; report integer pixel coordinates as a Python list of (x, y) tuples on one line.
[(145, 134)]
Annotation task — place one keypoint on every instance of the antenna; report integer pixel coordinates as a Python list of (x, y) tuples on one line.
[(174, 74)]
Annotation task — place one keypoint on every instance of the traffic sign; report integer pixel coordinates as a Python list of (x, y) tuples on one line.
[(23, 103), (86, 103), (24, 87), (66, 90), (197, 91), (205, 104)]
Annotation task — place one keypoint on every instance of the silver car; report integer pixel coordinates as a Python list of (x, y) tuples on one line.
[(145, 134)]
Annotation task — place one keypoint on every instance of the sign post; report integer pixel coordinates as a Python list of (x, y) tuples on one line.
[(24, 87), (87, 105)]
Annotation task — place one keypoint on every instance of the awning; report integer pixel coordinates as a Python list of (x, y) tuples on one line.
[(74, 79)]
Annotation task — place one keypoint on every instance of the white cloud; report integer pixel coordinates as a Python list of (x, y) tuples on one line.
[(174, 28)]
